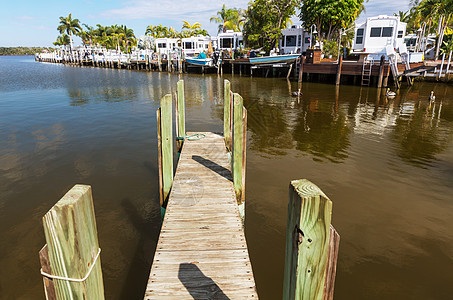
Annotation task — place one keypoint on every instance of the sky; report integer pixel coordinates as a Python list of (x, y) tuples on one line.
[(34, 23)]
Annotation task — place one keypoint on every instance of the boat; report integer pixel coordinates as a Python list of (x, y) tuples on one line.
[(201, 60), (275, 59)]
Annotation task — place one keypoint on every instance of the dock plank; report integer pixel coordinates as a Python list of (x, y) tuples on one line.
[(202, 251)]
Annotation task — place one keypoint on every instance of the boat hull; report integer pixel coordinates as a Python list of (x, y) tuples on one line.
[(278, 59), (203, 62)]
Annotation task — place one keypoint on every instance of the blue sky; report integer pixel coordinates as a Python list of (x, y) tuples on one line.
[(34, 23)]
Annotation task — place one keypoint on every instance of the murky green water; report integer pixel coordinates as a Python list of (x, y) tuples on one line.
[(386, 165)]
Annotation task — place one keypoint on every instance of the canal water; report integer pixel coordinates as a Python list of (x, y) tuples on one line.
[(387, 165)]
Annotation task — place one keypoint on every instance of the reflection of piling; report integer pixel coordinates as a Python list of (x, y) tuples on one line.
[(340, 63), (311, 244), (301, 71)]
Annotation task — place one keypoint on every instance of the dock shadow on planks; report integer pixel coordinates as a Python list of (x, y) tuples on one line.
[(222, 171), (197, 284)]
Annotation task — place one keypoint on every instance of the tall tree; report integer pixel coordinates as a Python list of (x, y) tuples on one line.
[(329, 16), (231, 18), (264, 20), (70, 26), (62, 40)]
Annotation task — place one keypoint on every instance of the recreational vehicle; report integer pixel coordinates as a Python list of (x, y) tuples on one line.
[(294, 40), (373, 36), (230, 40), (194, 45), (166, 45)]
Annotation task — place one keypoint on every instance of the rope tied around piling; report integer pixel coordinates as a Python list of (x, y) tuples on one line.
[(192, 137), (73, 279)]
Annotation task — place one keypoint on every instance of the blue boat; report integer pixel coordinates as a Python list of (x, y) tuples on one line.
[(201, 60), (276, 59)]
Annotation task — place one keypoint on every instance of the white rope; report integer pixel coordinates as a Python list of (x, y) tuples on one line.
[(73, 279)]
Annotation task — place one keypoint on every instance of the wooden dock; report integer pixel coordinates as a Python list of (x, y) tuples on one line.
[(202, 252)]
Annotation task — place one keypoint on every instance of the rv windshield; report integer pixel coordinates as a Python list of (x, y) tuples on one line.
[(290, 40), (226, 42)]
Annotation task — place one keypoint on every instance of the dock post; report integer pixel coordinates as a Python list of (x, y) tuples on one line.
[(441, 67), (381, 71), (311, 244), (227, 114), (238, 159), (340, 64), (73, 248), (180, 115), (159, 61), (448, 65), (301, 71), (165, 146), (289, 71)]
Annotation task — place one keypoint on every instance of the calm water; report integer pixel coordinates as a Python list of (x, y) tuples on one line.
[(387, 166)]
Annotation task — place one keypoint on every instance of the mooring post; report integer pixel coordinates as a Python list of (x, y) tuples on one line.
[(448, 64), (381, 71), (301, 71), (340, 64), (180, 115), (73, 248), (49, 289), (238, 161), (166, 147), (441, 66), (227, 114), (311, 244)]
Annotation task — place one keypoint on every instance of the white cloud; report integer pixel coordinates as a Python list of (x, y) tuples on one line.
[(167, 9)]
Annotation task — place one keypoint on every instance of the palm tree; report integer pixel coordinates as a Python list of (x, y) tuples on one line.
[(70, 26), (231, 18), (62, 40), (191, 28), (87, 35), (150, 30)]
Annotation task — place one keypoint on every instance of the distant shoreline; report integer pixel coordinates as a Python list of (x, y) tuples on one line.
[(23, 50)]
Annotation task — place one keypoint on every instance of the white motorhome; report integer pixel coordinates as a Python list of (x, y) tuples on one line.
[(166, 45), (373, 36), (230, 40), (196, 44), (294, 40)]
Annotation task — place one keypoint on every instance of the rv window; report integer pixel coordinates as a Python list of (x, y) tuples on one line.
[(360, 32), (375, 31), (187, 45), (387, 31), (359, 40), (226, 43), (299, 40), (290, 40), (307, 40), (400, 34), (161, 45), (283, 42)]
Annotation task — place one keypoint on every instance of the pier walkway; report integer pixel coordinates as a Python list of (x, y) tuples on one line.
[(202, 252)]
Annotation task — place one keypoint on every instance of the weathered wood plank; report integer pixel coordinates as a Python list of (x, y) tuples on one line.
[(202, 251), (49, 289), (331, 269), (71, 236), (181, 119)]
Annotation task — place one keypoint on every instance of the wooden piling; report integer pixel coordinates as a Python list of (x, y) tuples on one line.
[(227, 114), (340, 63), (381, 71), (238, 147), (301, 71), (166, 149), (49, 289), (308, 240), (180, 114), (441, 67), (74, 253)]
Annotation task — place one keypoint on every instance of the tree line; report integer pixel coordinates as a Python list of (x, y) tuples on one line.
[(263, 21), (23, 50)]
